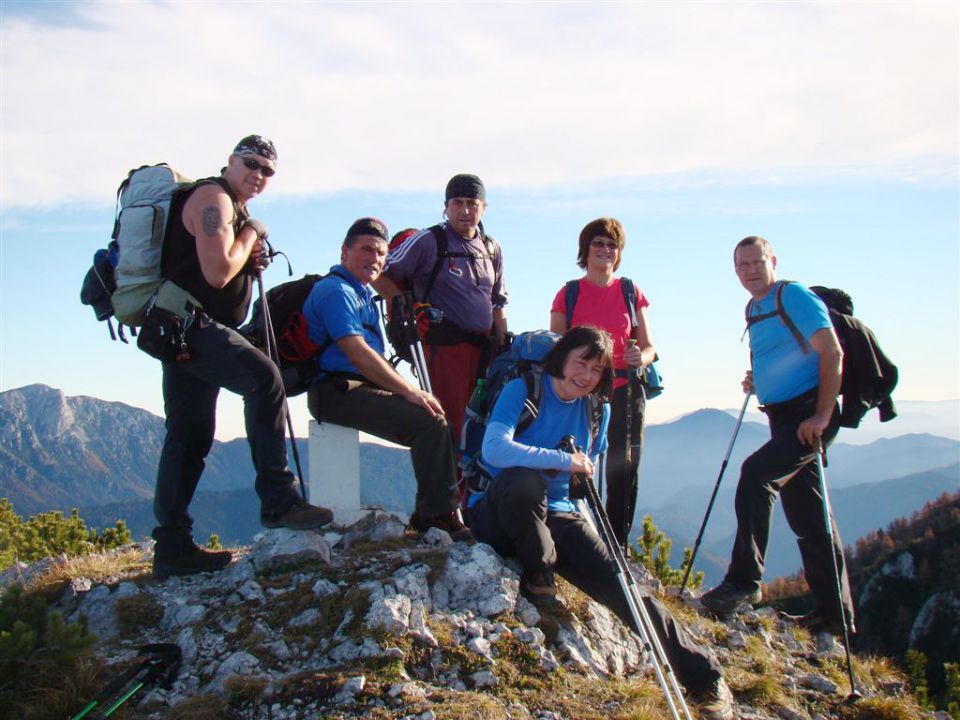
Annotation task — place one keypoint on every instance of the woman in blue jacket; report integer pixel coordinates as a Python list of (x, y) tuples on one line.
[(527, 511)]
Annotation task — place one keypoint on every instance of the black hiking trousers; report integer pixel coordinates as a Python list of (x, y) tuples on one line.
[(623, 477), (360, 405), (785, 467), (220, 358), (512, 517)]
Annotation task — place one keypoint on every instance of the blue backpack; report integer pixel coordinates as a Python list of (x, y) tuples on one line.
[(523, 359)]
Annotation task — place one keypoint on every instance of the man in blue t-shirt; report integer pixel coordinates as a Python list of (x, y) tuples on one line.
[(358, 388), (796, 376)]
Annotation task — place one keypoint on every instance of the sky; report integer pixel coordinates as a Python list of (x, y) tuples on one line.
[(831, 129)]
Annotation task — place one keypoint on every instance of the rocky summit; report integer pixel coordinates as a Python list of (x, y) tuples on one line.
[(371, 621)]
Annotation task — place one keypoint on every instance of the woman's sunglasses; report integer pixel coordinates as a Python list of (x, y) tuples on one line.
[(603, 244)]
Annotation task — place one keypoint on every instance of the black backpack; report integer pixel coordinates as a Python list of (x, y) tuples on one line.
[(652, 380), (296, 352), (869, 376)]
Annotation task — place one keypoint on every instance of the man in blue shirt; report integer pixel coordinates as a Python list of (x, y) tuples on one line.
[(796, 376), (358, 388)]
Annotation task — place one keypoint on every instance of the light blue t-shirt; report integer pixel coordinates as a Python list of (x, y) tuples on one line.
[(338, 306), (536, 447), (781, 370)]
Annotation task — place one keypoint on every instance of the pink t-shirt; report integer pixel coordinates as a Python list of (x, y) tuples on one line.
[(603, 307)]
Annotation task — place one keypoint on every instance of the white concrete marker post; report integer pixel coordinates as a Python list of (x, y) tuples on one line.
[(335, 470)]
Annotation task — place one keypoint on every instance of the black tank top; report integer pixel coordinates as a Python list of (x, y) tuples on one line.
[(227, 305)]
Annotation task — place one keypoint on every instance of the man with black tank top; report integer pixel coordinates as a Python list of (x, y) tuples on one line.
[(213, 250)]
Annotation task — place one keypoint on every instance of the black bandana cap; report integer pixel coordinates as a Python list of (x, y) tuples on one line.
[(257, 145), (466, 186), (369, 226)]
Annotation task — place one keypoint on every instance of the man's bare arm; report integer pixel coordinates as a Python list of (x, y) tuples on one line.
[(381, 373), (824, 342), (499, 326), (208, 215), (387, 288)]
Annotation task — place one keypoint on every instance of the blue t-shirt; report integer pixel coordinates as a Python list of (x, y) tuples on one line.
[(536, 447), (339, 306), (781, 370)]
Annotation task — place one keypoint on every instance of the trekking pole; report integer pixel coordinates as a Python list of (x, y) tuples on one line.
[(628, 455), (160, 662), (716, 487), (270, 343), (638, 611), (414, 343), (828, 524)]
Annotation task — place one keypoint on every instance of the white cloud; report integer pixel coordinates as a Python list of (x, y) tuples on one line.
[(402, 95)]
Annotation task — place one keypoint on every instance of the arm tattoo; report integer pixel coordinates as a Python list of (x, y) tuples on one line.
[(212, 221)]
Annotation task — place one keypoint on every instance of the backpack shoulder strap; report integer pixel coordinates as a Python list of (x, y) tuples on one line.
[(440, 237), (780, 312), (629, 291), (531, 406), (571, 291), (797, 335)]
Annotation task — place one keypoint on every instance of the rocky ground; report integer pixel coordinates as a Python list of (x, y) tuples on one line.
[(372, 622)]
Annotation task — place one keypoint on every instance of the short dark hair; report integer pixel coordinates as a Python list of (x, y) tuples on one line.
[(607, 227), (366, 226), (598, 344), (764, 244)]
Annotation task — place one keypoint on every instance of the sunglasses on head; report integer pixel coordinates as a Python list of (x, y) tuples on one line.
[(611, 245), (252, 164)]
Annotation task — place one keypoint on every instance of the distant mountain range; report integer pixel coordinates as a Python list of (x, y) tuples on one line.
[(59, 452)]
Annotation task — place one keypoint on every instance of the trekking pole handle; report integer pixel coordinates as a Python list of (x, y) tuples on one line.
[(568, 444)]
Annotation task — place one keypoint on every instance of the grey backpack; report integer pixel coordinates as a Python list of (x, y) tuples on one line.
[(143, 208)]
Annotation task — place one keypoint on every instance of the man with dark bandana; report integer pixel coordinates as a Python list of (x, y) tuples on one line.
[(213, 250), (456, 272)]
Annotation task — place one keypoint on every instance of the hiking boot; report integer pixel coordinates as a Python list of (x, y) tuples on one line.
[(191, 562), (716, 701), (448, 522), (728, 598), (539, 584), (299, 516)]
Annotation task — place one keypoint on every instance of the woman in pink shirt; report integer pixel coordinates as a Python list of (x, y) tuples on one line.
[(601, 300)]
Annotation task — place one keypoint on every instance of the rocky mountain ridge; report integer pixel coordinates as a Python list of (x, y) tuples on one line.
[(370, 622)]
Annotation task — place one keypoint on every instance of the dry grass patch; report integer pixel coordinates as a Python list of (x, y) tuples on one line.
[(451, 705), (201, 707), (127, 564), (137, 612), (67, 697), (880, 709)]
